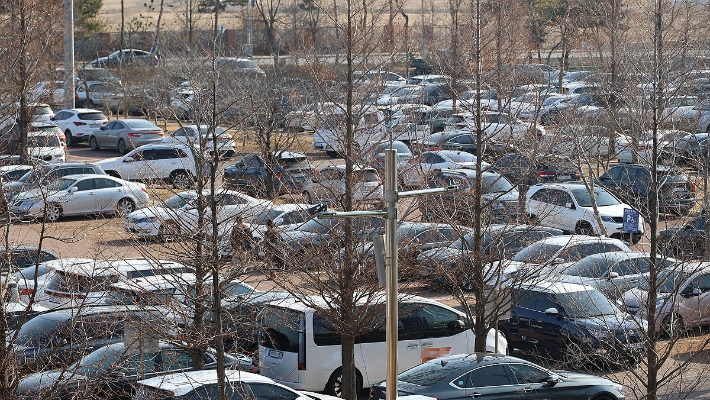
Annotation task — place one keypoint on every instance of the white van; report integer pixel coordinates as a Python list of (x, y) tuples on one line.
[(299, 348)]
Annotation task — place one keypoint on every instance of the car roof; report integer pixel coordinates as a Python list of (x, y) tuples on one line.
[(474, 360), (501, 228), (183, 382), (616, 256), (562, 186), (286, 207), (63, 314), (113, 267), (86, 176), (565, 240), (558, 287), (156, 282), (356, 167), (296, 304), (71, 164)]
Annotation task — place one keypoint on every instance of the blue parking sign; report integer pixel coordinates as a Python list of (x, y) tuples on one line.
[(631, 221)]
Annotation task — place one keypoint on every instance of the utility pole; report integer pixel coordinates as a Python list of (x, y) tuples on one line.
[(249, 50), (391, 196), (69, 54)]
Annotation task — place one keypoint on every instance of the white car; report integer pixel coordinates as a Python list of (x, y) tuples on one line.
[(155, 162), (498, 127), (33, 279), (179, 214), (188, 135), (46, 146), (329, 185), (568, 206), (586, 141), (429, 161), (78, 123), (666, 137), (80, 195), (11, 173), (181, 101)]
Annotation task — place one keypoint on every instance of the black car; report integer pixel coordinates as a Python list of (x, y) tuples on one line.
[(686, 242), (521, 170), (573, 323), (111, 372), (60, 337), (495, 376), (291, 172), (631, 183)]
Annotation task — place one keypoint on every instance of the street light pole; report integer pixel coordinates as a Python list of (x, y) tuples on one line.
[(69, 54), (391, 196)]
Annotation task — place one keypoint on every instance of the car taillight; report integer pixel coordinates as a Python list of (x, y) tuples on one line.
[(546, 173), (693, 187), (105, 122), (26, 292), (144, 189), (301, 367), (379, 160), (133, 134), (155, 133), (277, 175), (79, 123)]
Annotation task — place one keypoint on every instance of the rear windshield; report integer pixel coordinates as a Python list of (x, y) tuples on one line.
[(48, 129), (291, 163), (496, 184), (281, 329), (73, 283), (141, 124), (43, 111), (429, 373), (141, 273), (97, 116), (537, 253), (177, 201)]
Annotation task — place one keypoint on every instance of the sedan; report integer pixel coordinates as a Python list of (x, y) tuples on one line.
[(492, 376), (80, 195), (125, 134), (197, 137), (430, 161), (126, 57), (113, 370)]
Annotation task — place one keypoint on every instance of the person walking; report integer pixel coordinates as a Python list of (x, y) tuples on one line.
[(241, 241)]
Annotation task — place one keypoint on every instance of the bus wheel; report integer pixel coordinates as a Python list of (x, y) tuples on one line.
[(334, 387)]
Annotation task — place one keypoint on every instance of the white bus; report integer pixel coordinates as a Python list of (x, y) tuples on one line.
[(301, 349)]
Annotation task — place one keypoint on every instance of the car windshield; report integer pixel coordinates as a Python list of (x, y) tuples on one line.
[(294, 162), (44, 110), (137, 124), (496, 184), (429, 373), (49, 129), (177, 201), (60, 184), (537, 253), (461, 157), (589, 267), (43, 141), (99, 361), (405, 91), (586, 304), (265, 216), (668, 280), (602, 197)]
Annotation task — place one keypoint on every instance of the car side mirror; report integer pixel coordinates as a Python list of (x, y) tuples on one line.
[(570, 206), (72, 190), (552, 380), (456, 326), (613, 275), (697, 292), (129, 159), (552, 311)]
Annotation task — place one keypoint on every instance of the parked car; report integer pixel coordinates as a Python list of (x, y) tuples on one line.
[(632, 184), (96, 74), (126, 57), (664, 138), (99, 94), (59, 337), (155, 162), (689, 151), (43, 175), (611, 273), (376, 156), (11, 173), (16, 311), (202, 385), (424, 167), (568, 206), (574, 141), (201, 138), (685, 242), (32, 279), (238, 66), (496, 376), (455, 141), (428, 79), (125, 134), (78, 123), (112, 371), (501, 130), (80, 195), (321, 233), (160, 220), (682, 300), (329, 185), (291, 173), (520, 169), (16, 258), (499, 197), (45, 141), (575, 322)]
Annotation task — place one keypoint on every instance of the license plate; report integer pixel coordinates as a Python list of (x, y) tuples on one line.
[(276, 354), (93, 125), (565, 177)]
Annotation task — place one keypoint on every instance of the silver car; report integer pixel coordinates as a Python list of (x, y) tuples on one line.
[(125, 134)]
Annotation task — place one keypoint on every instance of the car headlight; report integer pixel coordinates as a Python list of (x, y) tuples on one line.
[(607, 218), (601, 334)]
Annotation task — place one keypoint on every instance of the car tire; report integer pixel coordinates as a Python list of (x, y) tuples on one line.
[(584, 228), (169, 230), (672, 325), (70, 138), (181, 180), (94, 144), (333, 387), (125, 206), (122, 146), (53, 212)]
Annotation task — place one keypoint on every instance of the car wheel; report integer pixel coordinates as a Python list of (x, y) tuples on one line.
[(169, 231), (94, 144), (181, 180), (307, 198), (672, 326), (122, 147), (334, 387), (583, 228), (53, 212), (125, 206), (70, 138)]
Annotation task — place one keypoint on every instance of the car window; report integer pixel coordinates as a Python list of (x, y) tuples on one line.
[(493, 375), (295, 217), (437, 321), (86, 184), (701, 282), (179, 132), (463, 139), (577, 252), (230, 200), (542, 196), (103, 183), (111, 125), (559, 198), (137, 363), (145, 155), (524, 373), (99, 328), (633, 266), (176, 359), (71, 171), (265, 391)]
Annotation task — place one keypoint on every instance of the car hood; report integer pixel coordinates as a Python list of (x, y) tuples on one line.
[(148, 212), (616, 210), (43, 151), (578, 376), (33, 194), (634, 299), (581, 280), (614, 322)]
